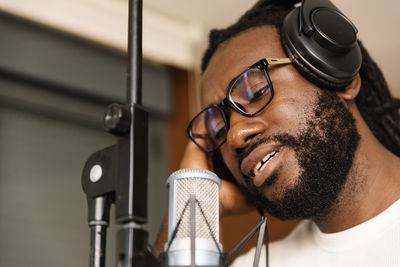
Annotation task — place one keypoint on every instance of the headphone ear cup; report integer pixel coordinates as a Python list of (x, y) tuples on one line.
[(310, 74), (325, 64)]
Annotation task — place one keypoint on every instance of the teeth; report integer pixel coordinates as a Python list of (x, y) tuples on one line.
[(268, 157), (263, 163)]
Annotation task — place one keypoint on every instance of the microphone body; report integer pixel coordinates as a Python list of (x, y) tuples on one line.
[(193, 224)]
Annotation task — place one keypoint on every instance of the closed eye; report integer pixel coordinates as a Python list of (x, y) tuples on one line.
[(203, 136), (260, 93)]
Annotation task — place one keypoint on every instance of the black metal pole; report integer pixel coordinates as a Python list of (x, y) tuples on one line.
[(131, 188), (132, 147), (134, 84), (99, 214)]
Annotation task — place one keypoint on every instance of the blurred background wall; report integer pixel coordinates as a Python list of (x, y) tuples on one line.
[(63, 62)]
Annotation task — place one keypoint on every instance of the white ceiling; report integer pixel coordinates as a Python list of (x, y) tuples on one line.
[(174, 31)]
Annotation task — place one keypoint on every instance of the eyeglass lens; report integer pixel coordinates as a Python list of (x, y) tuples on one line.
[(209, 128), (250, 93)]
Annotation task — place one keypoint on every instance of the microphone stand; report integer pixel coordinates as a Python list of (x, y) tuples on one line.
[(118, 173)]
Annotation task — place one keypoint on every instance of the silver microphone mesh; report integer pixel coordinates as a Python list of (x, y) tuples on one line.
[(206, 192), (205, 186)]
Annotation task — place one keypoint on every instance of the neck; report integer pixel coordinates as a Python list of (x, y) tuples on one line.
[(372, 185)]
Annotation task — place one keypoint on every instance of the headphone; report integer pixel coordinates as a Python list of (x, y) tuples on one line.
[(322, 43)]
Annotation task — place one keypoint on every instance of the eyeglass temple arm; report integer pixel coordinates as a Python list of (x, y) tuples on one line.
[(275, 61)]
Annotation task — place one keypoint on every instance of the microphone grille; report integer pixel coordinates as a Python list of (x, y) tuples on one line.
[(205, 186)]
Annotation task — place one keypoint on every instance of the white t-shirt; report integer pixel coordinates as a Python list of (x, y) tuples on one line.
[(373, 243)]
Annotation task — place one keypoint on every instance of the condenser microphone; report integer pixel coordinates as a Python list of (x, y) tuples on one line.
[(193, 223)]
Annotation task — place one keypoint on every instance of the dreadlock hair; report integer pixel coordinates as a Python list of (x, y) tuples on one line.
[(375, 103)]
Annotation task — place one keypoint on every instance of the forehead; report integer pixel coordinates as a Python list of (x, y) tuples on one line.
[(234, 56)]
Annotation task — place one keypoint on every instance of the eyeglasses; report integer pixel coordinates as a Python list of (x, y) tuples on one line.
[(248, 94)]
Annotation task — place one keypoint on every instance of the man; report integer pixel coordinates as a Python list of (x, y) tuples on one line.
[(299, 151)]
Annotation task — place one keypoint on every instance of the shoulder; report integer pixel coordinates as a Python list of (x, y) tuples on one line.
[(299, 237)]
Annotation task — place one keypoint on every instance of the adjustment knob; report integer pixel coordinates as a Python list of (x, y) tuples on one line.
[(117, 119)]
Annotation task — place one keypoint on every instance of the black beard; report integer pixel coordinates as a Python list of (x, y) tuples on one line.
[(325, 151)]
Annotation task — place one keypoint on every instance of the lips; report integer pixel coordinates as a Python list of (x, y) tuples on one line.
[(264, 162), (260, 163)]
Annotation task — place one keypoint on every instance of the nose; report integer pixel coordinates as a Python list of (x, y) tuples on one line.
[(243, 130)]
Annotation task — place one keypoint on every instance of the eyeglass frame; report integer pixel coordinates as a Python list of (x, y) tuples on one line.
[(262, 64)]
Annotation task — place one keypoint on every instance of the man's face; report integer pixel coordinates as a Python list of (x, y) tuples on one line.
[(292, 159)]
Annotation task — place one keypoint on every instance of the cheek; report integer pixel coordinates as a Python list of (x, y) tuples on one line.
[(290, 109), (285, 116), (232, 162)]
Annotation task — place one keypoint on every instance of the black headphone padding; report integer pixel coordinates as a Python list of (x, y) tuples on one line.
[(309, 74)]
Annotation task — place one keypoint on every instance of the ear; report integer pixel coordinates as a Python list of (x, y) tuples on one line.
[(351, 90)]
